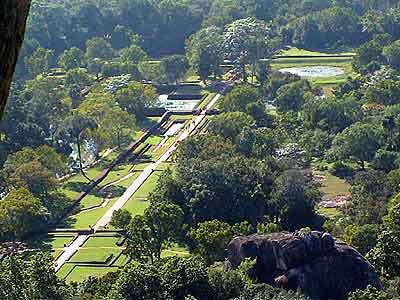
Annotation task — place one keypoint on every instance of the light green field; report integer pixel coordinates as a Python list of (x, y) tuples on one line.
[(57, 243), (137, 204), (94, 255), (206, 101), (101, 241), (65, 269), (293, 51), (192, 89), (333, 186), (85, 219), (81, 273)]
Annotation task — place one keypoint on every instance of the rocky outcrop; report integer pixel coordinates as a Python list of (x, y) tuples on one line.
[(314, 263)]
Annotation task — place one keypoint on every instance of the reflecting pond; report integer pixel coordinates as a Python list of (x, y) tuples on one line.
[(314, 71)]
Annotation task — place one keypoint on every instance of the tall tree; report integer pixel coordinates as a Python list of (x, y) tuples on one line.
[(13, 16), (75, 126)]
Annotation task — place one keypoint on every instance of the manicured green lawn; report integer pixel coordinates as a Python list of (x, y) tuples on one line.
[(154, 140), (88, 218), (148, 186), (65, 269), (137, 204), (94, 255), (206, 101), (175, 251), (333, 186), (91, 201), (293, 51), (121, 261), (101, 241), (81, 273), (192, 89)]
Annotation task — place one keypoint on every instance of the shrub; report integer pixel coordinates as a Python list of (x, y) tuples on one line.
[(342, 170)]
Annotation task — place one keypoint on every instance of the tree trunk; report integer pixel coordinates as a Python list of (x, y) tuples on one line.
[(13, 16), (78, 144)]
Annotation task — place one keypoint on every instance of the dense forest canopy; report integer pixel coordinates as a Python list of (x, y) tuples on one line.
[(142, 136)]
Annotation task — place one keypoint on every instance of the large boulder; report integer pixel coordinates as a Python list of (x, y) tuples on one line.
[(314, 263)]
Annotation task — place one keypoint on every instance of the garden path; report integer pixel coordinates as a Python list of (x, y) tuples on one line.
[(70, 250)]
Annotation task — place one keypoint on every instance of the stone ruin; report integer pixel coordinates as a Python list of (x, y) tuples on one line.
[(315, 263)]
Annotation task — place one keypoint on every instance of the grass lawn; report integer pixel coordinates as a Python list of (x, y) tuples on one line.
[(293, 51), (81, 273), (191, 89), (121, 261), (91, 201), (118, 172), (136, 204), (95, 255), (333, 186), (88, 218), (181, 117), (330, 213), (65, 269), (154, 140), (175, 251), (57, 243), (203, 104), (101, 241)]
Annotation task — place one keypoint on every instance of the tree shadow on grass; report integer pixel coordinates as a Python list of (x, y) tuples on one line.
[(116, 191), (80, 187)]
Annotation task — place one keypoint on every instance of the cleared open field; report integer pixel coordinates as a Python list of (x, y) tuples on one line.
[(306, 58)]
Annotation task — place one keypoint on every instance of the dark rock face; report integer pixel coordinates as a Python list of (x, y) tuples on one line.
[(316, 263)]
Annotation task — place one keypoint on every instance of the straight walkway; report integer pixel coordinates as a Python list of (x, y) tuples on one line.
[(146, 173)]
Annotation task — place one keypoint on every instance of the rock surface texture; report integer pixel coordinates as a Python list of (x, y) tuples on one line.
[(13, 16), (314, 263)]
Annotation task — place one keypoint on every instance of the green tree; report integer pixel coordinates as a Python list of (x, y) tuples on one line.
[(294, 198), (31, 278), (385, 161), (99, 48), (183, 277), (78, 77), (32, 176), (74, 129), (94, 66), (392, 54), (175, 67), (133, 54), (20, 214), (205, 52), (291, 97), (230, 124), (211, 240), (239, 41), (153, 71), (137, 282), (121, 218), (148, 234), (239, 97), (362, 237), (370, 293), (39, 61), (118, 123), (71, 58), (135, 98), (359, 143)]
